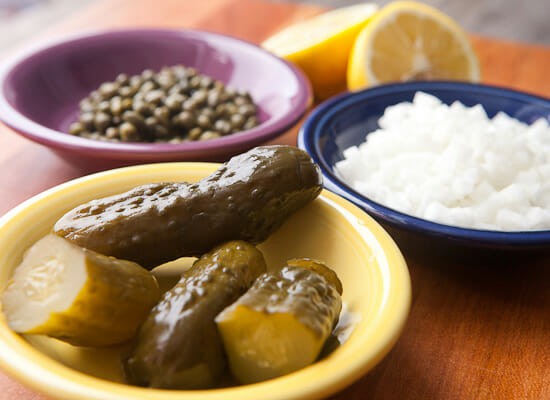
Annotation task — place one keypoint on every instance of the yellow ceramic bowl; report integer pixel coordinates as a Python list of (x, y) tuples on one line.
[(374, 276)]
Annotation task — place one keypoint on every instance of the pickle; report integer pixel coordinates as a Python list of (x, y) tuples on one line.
[(281, 323), (247, 198), (178, 346), (77, 295)]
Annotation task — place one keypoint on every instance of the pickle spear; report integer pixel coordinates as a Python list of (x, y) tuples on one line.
[(247, 198), (178, 346), (77, 295), (281, 323)]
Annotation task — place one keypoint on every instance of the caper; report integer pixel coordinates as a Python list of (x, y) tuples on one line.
[(112, 132), (87, 120), (95, 96), (108, 89), (151, 122), (237, 121), (207, 135), (76, 128), (240, 101), (126, 104), (209, 112), (222, 126), (127, 91), (163, 114), (195, 133), (195, 82), (221, 110), (165, 81), (154, 97), (230, 93), (135, 82), (174, 101), (204, 121), (161, 131), (122, 79), (142, 108), (147, 86), (250, 123), (102, 121), (247, 110), (86, 105), (231, 109), (214, 97), (104, 106), (179, 71), (190, 105), (184, 119), (206, 81), (134, 118), (173, 105), (128, 132), (200, 96), (116, 105), (147, 74)]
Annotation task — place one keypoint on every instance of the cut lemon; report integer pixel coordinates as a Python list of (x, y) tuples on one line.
[(320, 46), (406, 41)]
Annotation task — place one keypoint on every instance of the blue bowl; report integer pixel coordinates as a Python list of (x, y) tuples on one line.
[(343, 121)]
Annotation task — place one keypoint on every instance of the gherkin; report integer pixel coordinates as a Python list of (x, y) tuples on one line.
[(178, 346), (247, 198), (282, 322), (77, 295)]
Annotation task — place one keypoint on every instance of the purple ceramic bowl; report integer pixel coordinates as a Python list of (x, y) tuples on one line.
[(41, 90)]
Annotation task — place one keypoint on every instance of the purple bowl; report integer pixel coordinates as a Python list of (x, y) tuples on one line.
[(41, 90)]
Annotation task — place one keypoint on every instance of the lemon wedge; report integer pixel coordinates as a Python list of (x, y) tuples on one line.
[(320, 46), (406, 41)]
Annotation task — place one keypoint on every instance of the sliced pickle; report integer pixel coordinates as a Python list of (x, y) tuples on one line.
[(77, 295), (281, 323), (178, 346)]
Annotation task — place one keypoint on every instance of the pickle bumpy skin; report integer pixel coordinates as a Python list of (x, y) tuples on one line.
[(77, 295), (247, 198), (178, 346), (282, 322)]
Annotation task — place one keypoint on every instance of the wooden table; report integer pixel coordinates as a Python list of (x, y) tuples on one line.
[(477, 330)]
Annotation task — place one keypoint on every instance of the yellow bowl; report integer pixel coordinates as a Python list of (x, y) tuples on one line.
[(373, 272)]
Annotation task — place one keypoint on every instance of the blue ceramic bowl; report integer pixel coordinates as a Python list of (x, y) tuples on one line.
[(41, 89), (344, 120)]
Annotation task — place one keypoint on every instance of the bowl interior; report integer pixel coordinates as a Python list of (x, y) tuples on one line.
[(346, 120), (374, 275), (47, 86)]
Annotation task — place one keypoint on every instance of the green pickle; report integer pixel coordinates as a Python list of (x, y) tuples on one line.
[(282, 322), (178, 346), (247, 198), (77, 295)]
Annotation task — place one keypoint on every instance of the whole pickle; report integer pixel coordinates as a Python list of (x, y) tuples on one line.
[(281, 323), (247, 198), (178, 346)]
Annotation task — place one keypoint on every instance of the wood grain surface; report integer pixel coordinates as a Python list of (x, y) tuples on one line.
[(479, 326)]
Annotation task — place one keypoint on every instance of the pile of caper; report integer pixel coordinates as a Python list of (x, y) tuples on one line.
[(176, 104)]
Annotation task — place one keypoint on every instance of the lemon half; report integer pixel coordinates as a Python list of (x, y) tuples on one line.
[(406, 41), (320, 46)]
